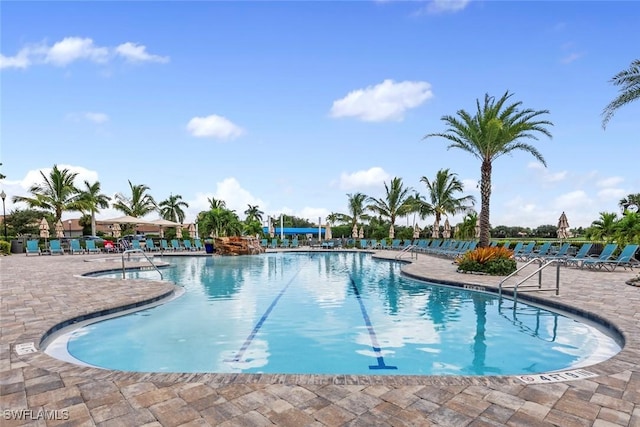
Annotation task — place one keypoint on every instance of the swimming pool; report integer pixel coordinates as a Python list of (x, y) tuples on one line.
[(330, 313)]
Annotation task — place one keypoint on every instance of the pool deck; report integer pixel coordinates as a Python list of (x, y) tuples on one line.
[(39, 292)]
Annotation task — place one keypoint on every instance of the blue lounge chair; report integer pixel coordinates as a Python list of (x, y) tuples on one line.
[(90, 246), (373, 244), (264, 243), (187, 245), (164, 246), (175, 245), (285, 243), (580, 256), (525, 252), (625, 259), (383, 244), (395, 244), (560, 254), (55, 247), (150, 246), (135, 244), (364, 243), (197, 243), (274, 243), (294, 243), (75, 248), (605, 255), (541, 252), (33, 247)]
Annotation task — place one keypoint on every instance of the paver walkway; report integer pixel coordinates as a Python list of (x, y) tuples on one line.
[(40, 292)]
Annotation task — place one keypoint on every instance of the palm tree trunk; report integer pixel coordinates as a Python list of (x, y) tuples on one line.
[(485, 194), (93, 223)]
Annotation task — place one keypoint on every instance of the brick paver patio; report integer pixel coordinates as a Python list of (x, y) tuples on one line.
[(38, 293)]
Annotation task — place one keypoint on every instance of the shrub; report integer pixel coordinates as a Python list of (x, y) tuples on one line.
[(496, 261), (5, 247)]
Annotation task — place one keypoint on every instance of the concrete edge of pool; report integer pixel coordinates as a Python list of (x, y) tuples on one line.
[(597, 369)]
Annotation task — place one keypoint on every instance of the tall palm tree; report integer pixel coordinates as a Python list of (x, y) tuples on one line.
[(442, 196), (253, 213), (356, 208), (216, 204), (93, 200), (397, 201), (171, 208), (139, 204), (56, 194), (494, 130), (629, 80)]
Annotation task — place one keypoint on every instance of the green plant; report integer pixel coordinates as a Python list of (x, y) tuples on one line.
[(5, 247), (496, 261)]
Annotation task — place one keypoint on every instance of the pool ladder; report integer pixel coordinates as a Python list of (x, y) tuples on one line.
[(409, 249), (128, 252), (538, 271)]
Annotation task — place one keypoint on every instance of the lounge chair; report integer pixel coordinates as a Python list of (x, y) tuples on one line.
[(33, 247), (264, 243), (395, 244), (90, 246), (580, 256), (187, 245), (605, 255), (364, 243), (109, 247), (74, 247), (274, 243), (560, 254), (175, 245), (525, 252), (373, 244), (135, 244), (285, 243), (164, 246), (539, 253), (625, 259), (55, 247), (150, 246), (383, 244), (197, 243), (294, 243)]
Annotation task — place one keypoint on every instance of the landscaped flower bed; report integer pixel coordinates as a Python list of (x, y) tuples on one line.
[(496, 261)]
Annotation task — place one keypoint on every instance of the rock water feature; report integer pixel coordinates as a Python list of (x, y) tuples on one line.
[(237, 245)]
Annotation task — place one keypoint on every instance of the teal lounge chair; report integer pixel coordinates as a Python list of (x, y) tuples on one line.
[(540, 253), (197, 243), (274, 243), (33, 247), (90, 246), (164, 246), (525, 252), (285, 243), (580, 256), (150, 246), (383, 244), (55, 247), (625, 259), (135, 244), (605, 255), (175, 245), (187, 245), (264, 243), (75, 247), (395, 244), (562, 252), (294, 243)]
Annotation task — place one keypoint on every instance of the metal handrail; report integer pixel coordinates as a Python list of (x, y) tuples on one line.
[(406, 249), (514, 273), (129, 251), (539, 270)]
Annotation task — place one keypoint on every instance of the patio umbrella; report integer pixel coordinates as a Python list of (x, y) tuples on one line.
[(477, 230), (59, 229), (447, 229), (115, 230), (361, 233), (416, 231), (563, 227), (435, 233), (327, 232), (179, 231), (354, 231), (44, 229), (162, 223), (127, 219), (272, 230), (392, 232), (192, 231)]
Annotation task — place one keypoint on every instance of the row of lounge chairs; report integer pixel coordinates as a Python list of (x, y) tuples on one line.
[(55, 247), (286, 243)]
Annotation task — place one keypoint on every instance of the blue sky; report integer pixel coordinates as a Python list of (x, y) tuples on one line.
[(292, 105)]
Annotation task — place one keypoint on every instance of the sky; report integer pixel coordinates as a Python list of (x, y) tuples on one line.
[(294, 105)]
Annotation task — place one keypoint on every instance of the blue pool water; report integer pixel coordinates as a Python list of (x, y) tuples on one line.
[(331, 313)]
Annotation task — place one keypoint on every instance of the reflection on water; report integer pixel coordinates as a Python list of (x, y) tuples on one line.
[(331, 313)]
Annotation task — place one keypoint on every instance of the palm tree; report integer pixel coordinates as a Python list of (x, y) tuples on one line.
[(56, 194), (442, 196), (253, 213), (631, 199), (397, 201), (171, 208), (495, 129), (356, 208), (216, 204), (629, 80), (139, 204), (334, 217), (467, 230), (604, 227), (93, 200)]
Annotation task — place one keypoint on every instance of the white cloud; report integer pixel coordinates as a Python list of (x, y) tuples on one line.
[(214, 126), (445, 6), (229, 190), (573, 200), (612, 194), (609, 182), (471, 185), (89, 116), (134, 52), (312, 214), (71, 49), (574, 56), (545, 175), (383, 102), (365, 178)]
